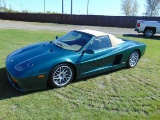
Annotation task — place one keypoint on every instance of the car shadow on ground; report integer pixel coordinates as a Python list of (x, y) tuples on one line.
[(155, 37), (7, 91)]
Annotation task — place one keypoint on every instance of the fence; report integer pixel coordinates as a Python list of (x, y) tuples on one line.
[(94, 20)]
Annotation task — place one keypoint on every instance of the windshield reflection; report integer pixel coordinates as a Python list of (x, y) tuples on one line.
[(73, 40)]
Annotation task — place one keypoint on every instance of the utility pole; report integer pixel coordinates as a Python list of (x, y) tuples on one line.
[(62, 7), (10, 7), (21, 8), (71, 7), (87, 6), (44, 5)]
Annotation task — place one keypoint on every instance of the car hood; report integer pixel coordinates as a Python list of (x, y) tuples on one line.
[(37, 52), (31, 51)]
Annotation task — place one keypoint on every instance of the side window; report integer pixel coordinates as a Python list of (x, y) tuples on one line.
[(100, 43)]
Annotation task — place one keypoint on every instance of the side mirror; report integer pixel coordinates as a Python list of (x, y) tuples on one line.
[(57, 37), (89, 51)]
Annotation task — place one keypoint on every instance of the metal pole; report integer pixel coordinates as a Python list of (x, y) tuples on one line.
[(0, 3), (44, 5), (87, 6), (71, 7), (21, 8), (62, 7)]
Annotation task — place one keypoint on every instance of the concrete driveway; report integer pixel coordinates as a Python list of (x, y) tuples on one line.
[(61, 27)]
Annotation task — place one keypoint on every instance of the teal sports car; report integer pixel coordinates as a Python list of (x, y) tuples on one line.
[(78, 54)]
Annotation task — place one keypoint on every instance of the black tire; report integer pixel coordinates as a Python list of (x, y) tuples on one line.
[(61, 75), (133, 59), (148, 32)]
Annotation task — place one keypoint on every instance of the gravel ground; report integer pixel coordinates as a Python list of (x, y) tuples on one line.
[(61, 27)]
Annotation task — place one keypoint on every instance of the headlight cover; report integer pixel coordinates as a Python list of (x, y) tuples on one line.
[(24, 65)]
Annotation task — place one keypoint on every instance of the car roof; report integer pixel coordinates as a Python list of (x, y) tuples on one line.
[(93, 32), (114, 40)]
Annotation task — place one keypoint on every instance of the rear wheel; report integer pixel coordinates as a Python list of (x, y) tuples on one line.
[(133, 59), (148, 32), (61, 75)]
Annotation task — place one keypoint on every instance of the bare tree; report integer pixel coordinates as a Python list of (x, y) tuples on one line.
[(152, 7), (2, 5), (126, 7), (135, 8), (129, 7)]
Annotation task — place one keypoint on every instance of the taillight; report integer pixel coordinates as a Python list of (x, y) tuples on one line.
[(138, 24)]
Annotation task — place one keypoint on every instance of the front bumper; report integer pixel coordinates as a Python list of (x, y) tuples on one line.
[(136, 29), (14, 84), (25, 80)]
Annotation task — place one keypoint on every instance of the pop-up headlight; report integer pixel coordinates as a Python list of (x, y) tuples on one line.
[(24, 65)]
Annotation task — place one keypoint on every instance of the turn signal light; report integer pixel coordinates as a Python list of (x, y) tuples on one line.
[(41, 76), (14, 80)]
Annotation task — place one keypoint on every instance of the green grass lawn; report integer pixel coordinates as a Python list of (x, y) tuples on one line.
[(122, 94)]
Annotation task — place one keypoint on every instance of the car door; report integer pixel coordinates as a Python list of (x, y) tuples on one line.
[(100, 59)]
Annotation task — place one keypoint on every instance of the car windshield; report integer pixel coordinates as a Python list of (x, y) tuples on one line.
[(73, 40)]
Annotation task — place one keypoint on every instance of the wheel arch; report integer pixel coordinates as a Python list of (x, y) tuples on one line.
[(138, 52), (149, 27)]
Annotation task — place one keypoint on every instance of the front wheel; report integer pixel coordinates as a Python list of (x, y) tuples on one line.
[(148, 33), (61, 75), (133, 59)]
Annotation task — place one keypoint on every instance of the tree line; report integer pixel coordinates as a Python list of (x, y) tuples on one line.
[(131, 7)]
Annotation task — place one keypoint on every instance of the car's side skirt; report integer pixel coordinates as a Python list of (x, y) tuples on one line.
[(102, 70)]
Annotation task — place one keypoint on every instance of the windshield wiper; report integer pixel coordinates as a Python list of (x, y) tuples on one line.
[(63, 45), (58, 44)]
